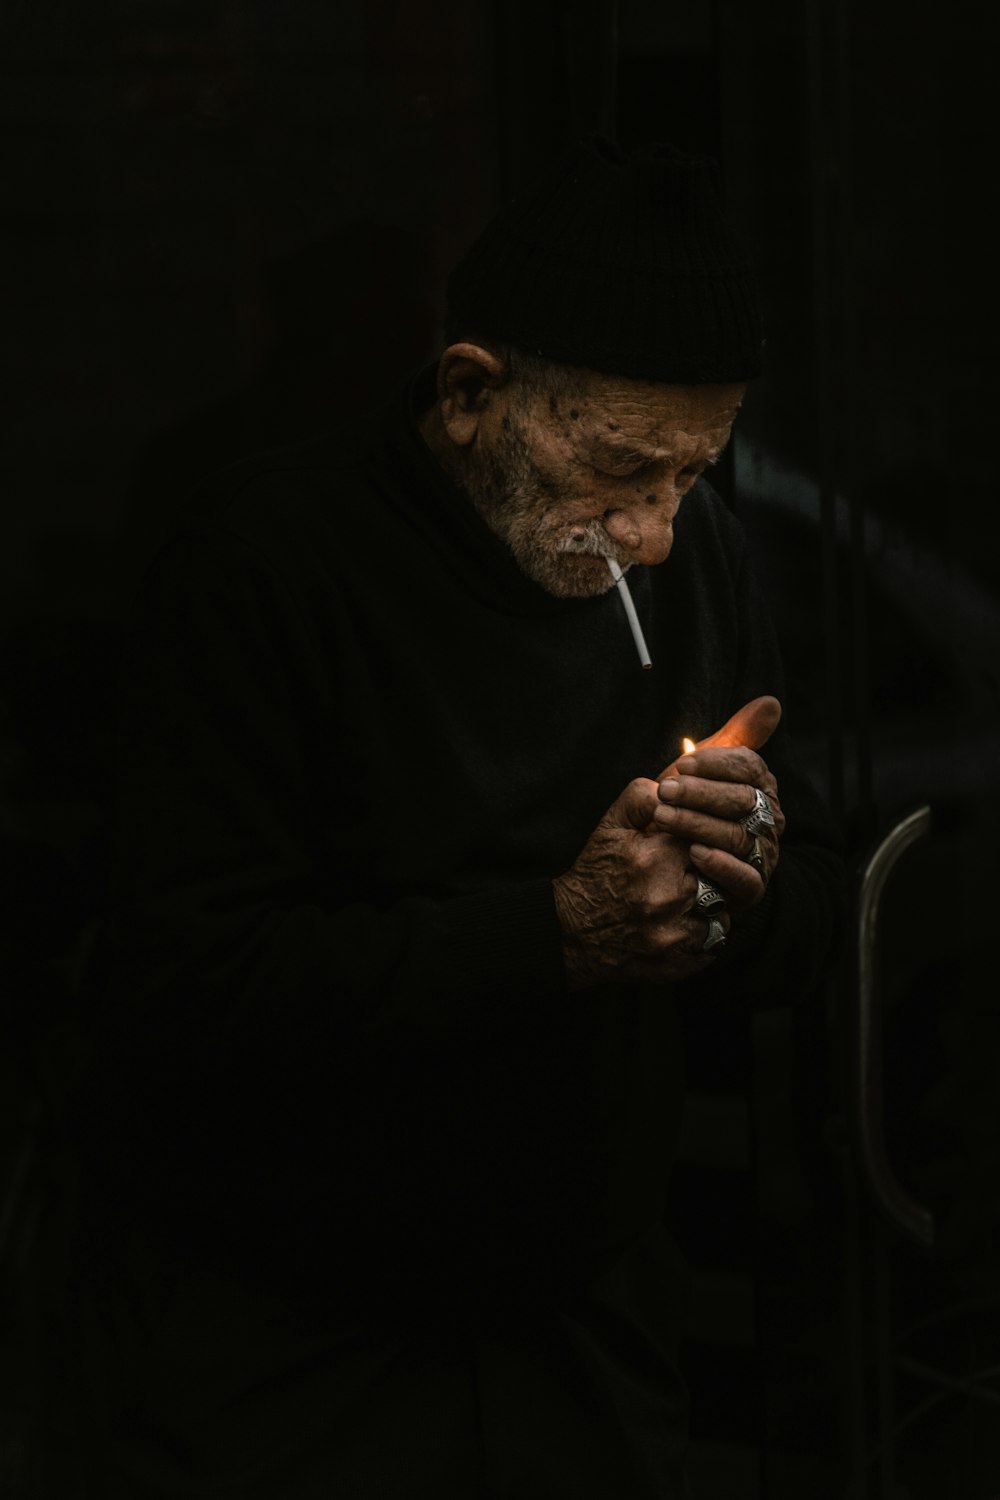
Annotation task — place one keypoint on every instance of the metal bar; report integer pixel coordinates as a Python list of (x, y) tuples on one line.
[(910, 1218)]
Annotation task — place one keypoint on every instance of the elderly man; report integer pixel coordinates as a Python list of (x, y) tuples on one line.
[(412, 879)]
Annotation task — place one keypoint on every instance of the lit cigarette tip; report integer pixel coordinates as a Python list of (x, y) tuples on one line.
[(633, 618), (689, 746)]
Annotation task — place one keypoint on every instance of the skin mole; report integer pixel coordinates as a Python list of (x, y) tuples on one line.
[(574, 414), (650, 499)]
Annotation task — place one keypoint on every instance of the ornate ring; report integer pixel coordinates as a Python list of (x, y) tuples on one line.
[(756, 855), (760, 815), (716, 936), (708, 898)]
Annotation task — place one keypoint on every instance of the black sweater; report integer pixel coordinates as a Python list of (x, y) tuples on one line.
[(356, 746)]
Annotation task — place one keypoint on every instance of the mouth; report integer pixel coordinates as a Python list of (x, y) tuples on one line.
[(596, 561), (591, 549)]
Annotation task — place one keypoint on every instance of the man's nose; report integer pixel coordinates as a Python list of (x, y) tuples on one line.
[(646, 531)]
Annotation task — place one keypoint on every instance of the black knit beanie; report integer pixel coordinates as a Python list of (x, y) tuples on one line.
[(619, 261)]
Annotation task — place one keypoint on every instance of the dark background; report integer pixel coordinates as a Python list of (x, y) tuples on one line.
[(228, 223)]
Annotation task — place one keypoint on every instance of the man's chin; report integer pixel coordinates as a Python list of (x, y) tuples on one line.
[(569, 576)]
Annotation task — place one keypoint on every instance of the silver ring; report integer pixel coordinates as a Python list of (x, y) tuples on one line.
[(708, 898), (760, 815), (716, 936), (756, 855)]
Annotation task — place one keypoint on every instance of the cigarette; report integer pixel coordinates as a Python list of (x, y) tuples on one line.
[(633, 618)]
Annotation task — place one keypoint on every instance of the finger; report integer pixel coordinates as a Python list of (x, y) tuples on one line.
[(740, 883), (735, 803), (734, 763), (752, 725), (730, 801), (723, 799), (701, 827)]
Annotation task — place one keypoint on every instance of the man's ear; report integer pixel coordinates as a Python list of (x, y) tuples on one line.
[(467, 375)]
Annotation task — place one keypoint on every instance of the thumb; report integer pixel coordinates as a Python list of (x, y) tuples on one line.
[(752, 725), (635, 807)]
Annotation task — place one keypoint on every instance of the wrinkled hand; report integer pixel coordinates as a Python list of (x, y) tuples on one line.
[(625, 904), (704, 795)]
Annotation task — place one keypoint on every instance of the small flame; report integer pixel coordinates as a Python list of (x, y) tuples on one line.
[(689, 746)]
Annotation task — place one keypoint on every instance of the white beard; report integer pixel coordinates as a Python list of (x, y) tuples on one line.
[(566, 558)]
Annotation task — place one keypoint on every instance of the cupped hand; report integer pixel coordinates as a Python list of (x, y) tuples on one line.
[(625, 904), (703, 796)]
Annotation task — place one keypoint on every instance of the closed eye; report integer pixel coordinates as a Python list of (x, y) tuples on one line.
[(634, 466), (626, 468)]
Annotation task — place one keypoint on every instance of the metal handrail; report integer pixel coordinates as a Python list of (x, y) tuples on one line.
[(910, 1218)]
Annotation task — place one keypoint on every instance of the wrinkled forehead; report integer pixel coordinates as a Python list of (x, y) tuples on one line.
[(608, 409)]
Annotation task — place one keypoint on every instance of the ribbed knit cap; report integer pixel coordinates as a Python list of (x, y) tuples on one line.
[(619, 261)]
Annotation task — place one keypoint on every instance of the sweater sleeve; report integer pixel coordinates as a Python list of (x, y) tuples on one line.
[(229, 919)]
